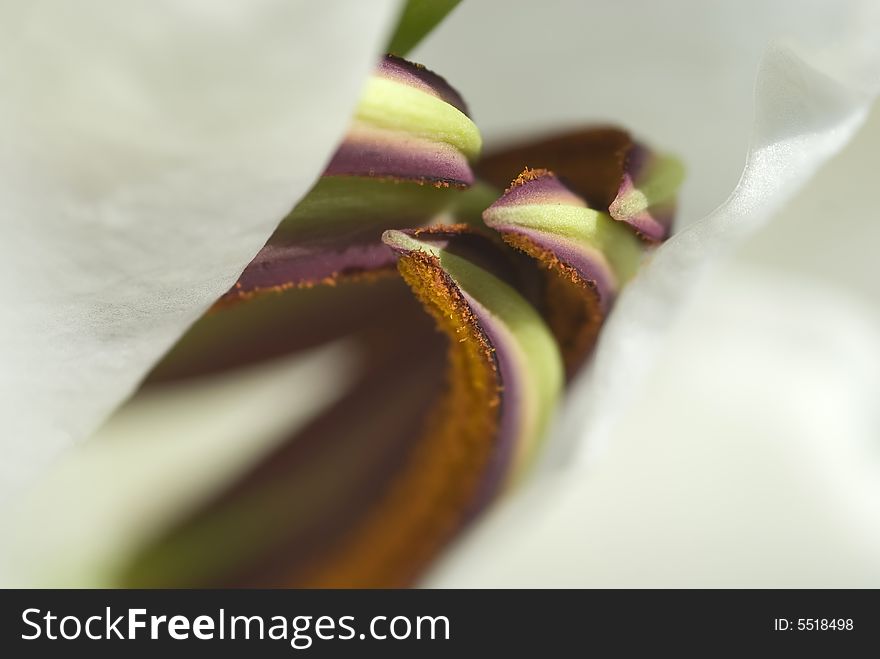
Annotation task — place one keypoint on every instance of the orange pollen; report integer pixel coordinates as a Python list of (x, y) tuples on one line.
[(427, 502)]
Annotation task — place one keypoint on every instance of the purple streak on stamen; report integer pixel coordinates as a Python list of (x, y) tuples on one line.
[(646, 222), (386, 154), (509, 421), (407, 73), (290, 265), (545, 189)]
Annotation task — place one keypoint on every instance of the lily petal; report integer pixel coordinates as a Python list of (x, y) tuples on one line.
[(149, 151)]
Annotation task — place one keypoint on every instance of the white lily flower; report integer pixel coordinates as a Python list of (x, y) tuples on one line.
[(669, 466)]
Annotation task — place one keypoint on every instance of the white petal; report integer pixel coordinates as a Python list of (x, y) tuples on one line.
[(804, 116), (751, 461), (749, 456), (149, 149), (680, 73)]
